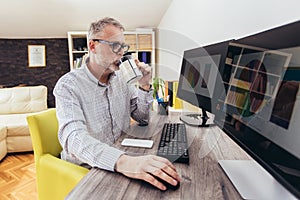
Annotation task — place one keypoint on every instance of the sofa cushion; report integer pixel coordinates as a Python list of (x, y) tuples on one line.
[(16, 124), (23, 99)]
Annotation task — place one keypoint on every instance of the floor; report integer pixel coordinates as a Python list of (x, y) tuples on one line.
[(18, 177)]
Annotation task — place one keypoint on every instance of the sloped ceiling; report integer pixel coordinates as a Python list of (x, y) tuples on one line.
[(54, 18)]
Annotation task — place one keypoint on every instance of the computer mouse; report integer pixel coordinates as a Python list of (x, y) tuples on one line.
[(168, 185), (143, 123)]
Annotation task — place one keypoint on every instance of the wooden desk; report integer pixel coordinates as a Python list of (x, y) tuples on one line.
[(203, 178)]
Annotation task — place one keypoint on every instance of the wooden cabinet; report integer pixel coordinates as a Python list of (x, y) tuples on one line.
[(142, 46)]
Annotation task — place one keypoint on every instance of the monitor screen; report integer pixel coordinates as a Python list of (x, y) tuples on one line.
[(260, 108), (199, 77)]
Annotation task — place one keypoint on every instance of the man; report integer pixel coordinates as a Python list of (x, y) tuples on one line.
[(94, 105)]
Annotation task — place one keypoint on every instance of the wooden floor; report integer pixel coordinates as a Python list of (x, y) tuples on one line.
[(18, 177)]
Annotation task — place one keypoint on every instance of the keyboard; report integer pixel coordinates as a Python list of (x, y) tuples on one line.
[(173, 143)]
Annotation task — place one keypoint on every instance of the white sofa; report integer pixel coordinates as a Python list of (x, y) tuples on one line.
[(15, 104)]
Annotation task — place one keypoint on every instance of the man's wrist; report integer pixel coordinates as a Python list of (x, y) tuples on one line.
[(119, 162), (146, 87)]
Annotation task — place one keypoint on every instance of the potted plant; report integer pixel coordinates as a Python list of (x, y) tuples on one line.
[(158, 86)]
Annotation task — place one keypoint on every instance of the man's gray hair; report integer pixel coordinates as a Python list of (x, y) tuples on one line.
[(98, 26)]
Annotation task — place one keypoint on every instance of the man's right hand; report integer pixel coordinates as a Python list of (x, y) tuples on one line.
[(147, 168)]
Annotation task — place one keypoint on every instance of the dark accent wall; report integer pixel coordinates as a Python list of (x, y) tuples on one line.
[(14, 68)]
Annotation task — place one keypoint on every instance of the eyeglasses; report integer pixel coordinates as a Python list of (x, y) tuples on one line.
[(115, 46)]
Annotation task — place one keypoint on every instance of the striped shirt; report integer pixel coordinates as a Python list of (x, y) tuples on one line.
[(92, 116)]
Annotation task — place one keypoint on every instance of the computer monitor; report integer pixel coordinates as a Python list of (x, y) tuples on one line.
[(260, 111), (198, 81)]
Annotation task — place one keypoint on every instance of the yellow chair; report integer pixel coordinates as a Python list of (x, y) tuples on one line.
[(55, 177)]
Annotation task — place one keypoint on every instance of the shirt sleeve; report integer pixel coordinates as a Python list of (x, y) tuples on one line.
[(140, 104), (73, 134)]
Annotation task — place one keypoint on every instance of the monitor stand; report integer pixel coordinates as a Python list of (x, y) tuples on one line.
[(196, 119), (252, 181)]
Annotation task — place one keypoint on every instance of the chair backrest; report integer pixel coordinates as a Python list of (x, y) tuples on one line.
[(43, 127)]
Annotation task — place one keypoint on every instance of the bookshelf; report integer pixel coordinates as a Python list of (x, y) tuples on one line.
[(78, 47), (251, 77), (142, 46)]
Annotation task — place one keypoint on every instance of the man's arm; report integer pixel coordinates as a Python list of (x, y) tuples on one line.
[(78, 145), (141, 102)]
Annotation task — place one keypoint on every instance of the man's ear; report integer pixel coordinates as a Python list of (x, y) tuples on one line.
[(92, 46)]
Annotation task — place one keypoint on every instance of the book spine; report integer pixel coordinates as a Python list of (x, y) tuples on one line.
[(177, 103), (170, 93), (166, 90)]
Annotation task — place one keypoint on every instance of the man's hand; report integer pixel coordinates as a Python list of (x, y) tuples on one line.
[(146, 167), (146, 70)]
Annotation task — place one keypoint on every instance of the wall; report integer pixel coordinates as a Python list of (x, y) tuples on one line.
[(54, 18), (14, 68), (193, 23)]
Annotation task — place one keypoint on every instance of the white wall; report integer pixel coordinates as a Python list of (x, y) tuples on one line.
[(193, 23), (54, 18)]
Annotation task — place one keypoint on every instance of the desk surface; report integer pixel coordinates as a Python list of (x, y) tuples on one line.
[(203, 178)]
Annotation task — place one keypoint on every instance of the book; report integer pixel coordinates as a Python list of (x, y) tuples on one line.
[(166, 91), (144, 56), (177, 102), (170, 92)]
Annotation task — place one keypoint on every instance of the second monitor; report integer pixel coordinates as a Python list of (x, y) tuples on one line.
[(200, 80)]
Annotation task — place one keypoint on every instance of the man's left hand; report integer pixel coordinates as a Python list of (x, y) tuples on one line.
[(146, 70)]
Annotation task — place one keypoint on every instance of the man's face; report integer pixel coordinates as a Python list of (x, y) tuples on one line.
[(104, 55)]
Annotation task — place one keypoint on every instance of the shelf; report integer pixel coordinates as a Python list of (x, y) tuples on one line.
[(142, 46), (251, 77), (79, 51), (140, 42), (78, 47)]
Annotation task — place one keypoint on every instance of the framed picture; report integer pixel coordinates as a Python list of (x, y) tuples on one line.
[(36, 55)]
